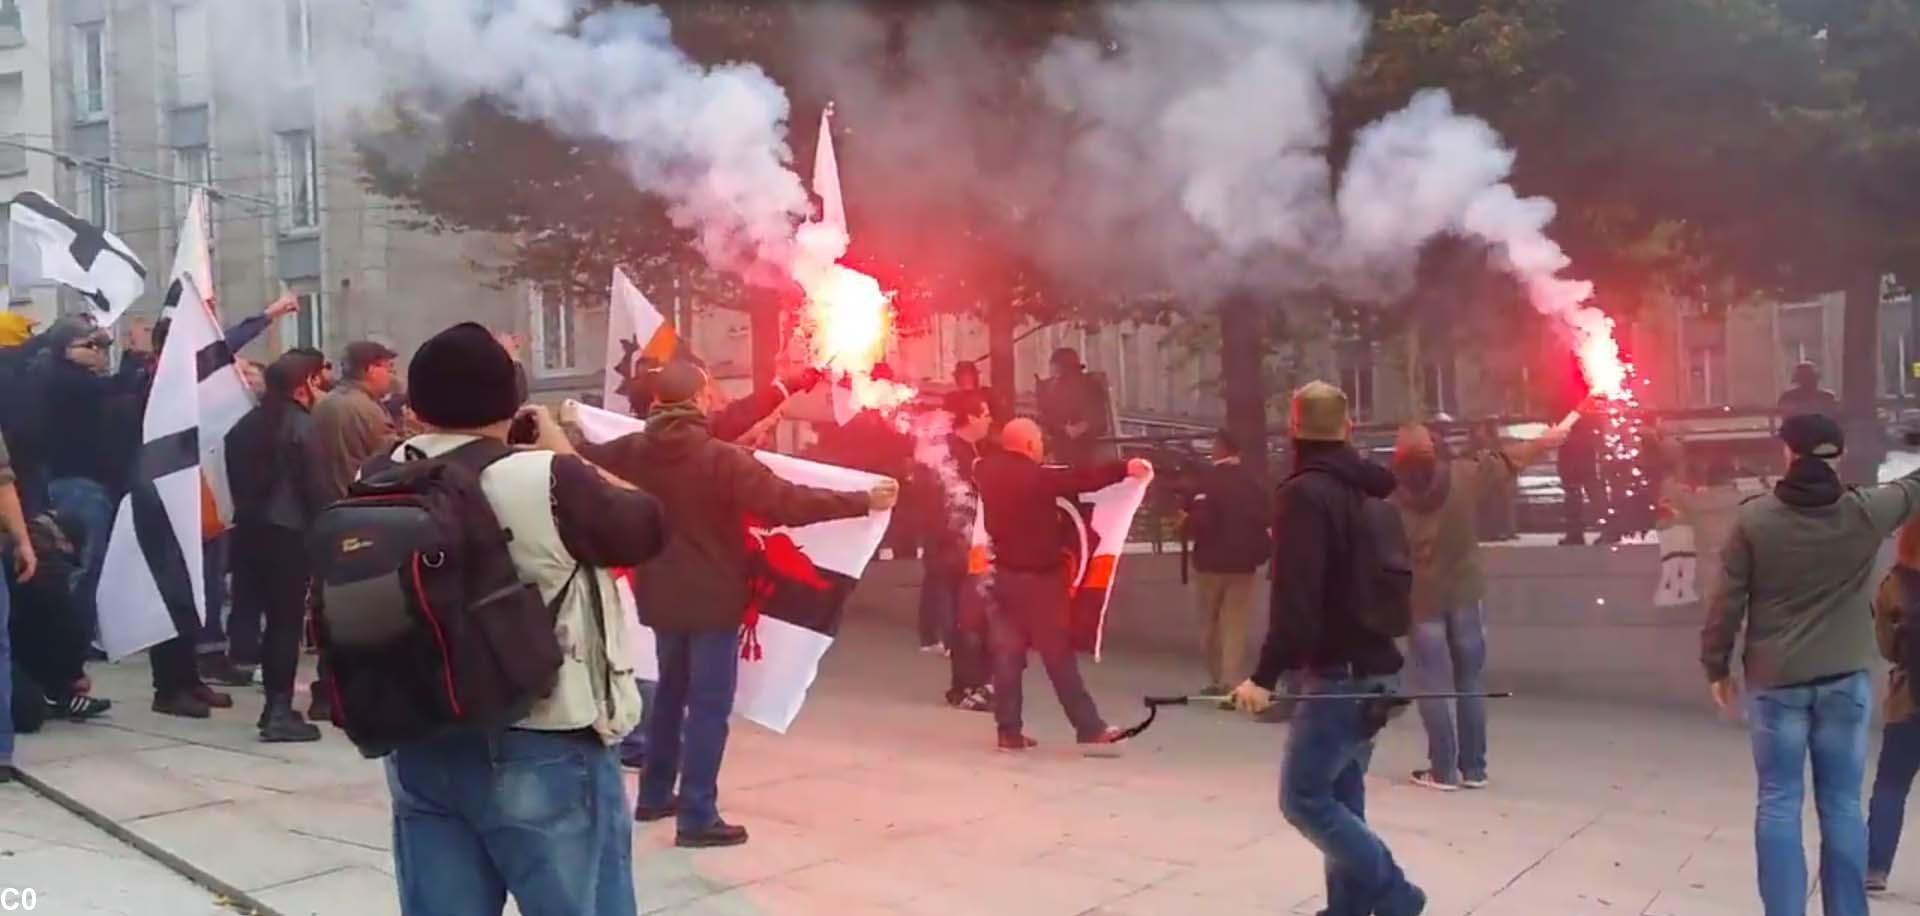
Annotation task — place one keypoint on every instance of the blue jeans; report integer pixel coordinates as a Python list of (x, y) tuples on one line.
[(214, 635), (1323, 795), (1892, 780), (688, 735), (1449, 653), (84, 504), (634, 745), (539, 815), (1829, 722)]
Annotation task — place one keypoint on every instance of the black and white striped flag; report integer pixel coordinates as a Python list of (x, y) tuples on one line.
[(50, 245)]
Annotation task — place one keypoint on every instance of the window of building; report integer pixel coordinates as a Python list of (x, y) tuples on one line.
[(1356, 379), (1706, 377), (190, 80), (310, 323), (1803, 336), (90, 71), (10, 15), (1897, 352), (299, 179), (94, 198), (297, 29), (13, 160), (1439, 387), (191, 164), (552, 320)]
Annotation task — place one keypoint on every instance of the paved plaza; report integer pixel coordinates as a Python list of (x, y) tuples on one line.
[(72, 868), (884, 802)]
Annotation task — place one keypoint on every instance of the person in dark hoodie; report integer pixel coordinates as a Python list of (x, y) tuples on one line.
[(1315, 630), (1797, 583), (278, 488), (1229, 518), (1439, 501), (694, 594)]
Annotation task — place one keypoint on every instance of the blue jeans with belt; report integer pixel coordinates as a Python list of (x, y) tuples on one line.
[(1827, 722), (1323, 795), (1449, 653), (539, 815)]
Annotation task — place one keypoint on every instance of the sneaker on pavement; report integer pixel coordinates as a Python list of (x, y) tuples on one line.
[(719, 834), (1426, 780), (1876, 883), (183, 704), (1474, 782), (212, 697), (1105, 744), (647, 814), (285, 726), (979, 699), (1017, 743), (934, 648), (217, 668), (78, 707)]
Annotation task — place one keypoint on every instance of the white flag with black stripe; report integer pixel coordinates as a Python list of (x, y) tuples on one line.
[(223, 395), (151, 584), (50, 245)]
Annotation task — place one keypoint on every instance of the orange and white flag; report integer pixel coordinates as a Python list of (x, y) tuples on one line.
[(636, 332), (1099, 521)]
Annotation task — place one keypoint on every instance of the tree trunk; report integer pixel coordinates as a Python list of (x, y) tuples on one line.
[(1243, 380), (1860, 379), (1003, 375), (765, 333)]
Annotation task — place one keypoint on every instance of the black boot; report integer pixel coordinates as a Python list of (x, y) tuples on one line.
[(321, 709), (281, 724)]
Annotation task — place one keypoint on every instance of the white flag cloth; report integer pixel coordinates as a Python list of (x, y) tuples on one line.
[(826, 176), (1679, 567), (811, 571), (50, 245), (224, 395), (151, 583), (634, 329)]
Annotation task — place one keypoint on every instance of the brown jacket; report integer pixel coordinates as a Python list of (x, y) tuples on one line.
[(1445, 541), (1889, 612), (349, 428), (709, 490)]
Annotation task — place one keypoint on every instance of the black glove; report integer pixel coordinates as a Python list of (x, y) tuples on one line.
[(802, 381)]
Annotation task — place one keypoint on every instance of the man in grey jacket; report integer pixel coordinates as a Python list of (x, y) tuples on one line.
[(1798, 580)]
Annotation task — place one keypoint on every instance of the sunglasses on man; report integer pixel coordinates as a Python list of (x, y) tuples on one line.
[(91, 344)]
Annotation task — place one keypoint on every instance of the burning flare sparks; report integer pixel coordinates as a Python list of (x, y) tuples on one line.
[(847, 320)]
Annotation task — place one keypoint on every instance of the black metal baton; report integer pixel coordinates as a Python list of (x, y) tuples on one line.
[(1391, 699)]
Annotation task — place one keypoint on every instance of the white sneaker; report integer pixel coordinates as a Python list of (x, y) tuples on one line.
[(1473, 782), (1426, 780)]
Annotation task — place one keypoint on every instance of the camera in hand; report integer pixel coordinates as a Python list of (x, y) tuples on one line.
[(524, 431)]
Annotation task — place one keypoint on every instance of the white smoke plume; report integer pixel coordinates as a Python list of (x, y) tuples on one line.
[(710, 141)]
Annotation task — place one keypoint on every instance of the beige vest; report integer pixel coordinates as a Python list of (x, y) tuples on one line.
[(596, 687)]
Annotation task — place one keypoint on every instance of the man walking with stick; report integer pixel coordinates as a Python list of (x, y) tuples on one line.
[(1328, 570)]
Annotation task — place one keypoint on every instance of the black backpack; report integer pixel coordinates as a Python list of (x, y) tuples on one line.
[(422, 622), (1382, 579)]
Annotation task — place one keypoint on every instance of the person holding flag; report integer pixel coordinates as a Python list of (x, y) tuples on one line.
[(695, 594), (1018, 497)]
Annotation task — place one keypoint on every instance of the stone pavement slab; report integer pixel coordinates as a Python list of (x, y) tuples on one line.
[(883, 801), (76, 869)]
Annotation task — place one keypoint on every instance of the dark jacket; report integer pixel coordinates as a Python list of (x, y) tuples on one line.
[(708, 489), (1797, 401), (1018, 494), (731, 422), (276, 474), (1313, 622), (1228, 519), (93, 421)]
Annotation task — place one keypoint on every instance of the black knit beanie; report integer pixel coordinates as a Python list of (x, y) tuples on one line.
[(462, 378)]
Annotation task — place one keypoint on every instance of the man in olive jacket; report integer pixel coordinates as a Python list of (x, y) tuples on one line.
[(1798, 581), (694, 593)]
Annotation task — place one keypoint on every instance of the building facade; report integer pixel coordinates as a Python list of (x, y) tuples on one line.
[(26, 117)]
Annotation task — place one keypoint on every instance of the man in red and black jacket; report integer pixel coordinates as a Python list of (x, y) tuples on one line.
[(1029, 587)]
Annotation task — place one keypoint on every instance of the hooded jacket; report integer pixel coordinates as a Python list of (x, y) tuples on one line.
[(1439, 500), (1313, 623), (1797, 577), (709, 490)]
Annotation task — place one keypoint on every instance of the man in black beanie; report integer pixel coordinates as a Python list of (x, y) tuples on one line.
[(694, 594), (465, 835), (1798, 581)]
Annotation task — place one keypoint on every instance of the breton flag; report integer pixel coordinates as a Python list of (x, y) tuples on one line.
[(804, 577), (1099, 521), (224, 396), (151, 583), (50, 245), (636, 331)]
